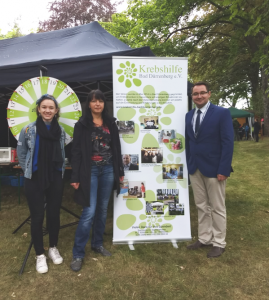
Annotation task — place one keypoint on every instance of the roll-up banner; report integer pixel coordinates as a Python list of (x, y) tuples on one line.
[(150, 103)]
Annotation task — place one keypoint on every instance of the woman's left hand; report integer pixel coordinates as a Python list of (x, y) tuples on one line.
[(121, 178)]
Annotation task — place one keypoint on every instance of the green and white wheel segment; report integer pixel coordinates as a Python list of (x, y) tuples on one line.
[(21, 109)]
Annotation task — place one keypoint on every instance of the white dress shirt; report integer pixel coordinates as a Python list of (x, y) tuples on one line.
[(202, 115)]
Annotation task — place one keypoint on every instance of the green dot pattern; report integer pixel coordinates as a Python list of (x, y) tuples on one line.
[(183, 183), (149, 141), (134, 204), (142, 225), (163, 97), (125, 221), (137, 82), (133, 233), (170, 157), (134, 98), (150, 196), (149, 92), (169, 109), (159, 178), (178, 160), (142, 217), (157, 169), (142, 110), (167, 227), (126, 114), (166, 120), (168, 218)]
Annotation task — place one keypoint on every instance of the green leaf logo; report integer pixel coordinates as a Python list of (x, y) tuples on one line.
[(127, 74)]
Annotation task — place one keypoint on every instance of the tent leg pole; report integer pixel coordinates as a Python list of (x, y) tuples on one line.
[(8, 140)]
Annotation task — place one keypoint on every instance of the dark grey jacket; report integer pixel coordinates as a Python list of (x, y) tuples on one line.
[(81, 158)]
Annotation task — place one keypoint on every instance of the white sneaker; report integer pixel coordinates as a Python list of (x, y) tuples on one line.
[(41, 264), (55, 256)]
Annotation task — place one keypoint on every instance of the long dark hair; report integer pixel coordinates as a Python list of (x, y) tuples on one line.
[(98, 95)]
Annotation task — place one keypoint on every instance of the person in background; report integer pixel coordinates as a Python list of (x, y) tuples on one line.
[(150, 157), (257, 128), (236, 126), (96, 168), (240, 131), (154, 157), (145, 158), (42, 158), (262, 126), (246, 131), (159, 156), (143, 190), (209, 151), (127, 165)]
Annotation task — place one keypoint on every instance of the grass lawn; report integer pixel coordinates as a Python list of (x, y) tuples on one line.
[(152, 271)]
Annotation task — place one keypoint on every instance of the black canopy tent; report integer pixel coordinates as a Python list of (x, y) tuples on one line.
[(80, 56)]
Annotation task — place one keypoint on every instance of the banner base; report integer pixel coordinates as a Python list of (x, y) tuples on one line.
[(174, 243), (131, 246), (132, 242)]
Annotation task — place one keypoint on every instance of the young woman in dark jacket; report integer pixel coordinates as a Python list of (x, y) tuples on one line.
[(42, 158), (96, 168)]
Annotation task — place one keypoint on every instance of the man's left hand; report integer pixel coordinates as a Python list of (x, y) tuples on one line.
[(121, 178), (221, 177)]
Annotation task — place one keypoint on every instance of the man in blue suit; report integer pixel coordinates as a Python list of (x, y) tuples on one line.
[(209, 151)]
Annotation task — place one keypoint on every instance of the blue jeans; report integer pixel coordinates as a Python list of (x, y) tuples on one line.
[(102, 180)]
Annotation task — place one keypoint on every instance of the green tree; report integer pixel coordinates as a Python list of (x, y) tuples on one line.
[(13, 33), (193, 27)]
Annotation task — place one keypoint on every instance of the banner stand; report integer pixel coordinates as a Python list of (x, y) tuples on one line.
[(150, 103)]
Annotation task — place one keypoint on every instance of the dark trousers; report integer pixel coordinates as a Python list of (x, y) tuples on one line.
[(35, 198), (256, 135)]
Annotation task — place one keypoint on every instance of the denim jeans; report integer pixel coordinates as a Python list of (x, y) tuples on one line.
[(102, 180)]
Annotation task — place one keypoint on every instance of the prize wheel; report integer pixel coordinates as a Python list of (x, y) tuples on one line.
[(21, 109)]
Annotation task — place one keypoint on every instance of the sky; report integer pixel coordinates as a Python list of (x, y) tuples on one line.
[(27, 13)]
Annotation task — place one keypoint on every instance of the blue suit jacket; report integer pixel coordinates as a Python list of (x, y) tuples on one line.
[(212, 150)]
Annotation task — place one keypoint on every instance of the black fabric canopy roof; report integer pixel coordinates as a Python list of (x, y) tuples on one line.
[(81, 53), (80, 56)]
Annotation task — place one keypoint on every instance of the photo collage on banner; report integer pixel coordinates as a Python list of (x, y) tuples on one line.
[(150, 103)]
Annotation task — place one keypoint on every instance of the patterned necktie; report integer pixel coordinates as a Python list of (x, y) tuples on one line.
[(197, 124)]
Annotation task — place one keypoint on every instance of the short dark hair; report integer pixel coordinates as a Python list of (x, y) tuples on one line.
[(201, 83), (47, 97)]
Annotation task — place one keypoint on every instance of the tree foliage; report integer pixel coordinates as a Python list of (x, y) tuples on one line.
[(226, 42), (70, 13), (13, 33)]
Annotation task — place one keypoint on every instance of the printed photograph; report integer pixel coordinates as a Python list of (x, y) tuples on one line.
[(151, 155), (151, 122), (136, 189), (124, 186), (126, 127), (154, 208), (130, 162), (167, 195), (169, 138), (165, 135), (176, 209), (173, 171)]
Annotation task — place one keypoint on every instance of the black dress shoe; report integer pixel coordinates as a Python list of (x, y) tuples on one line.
[(215, 252), (197, 245), (102, 251)]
